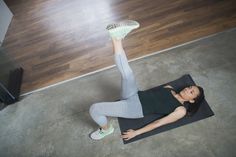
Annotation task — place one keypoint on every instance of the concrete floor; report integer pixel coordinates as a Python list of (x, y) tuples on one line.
[(55, 122)]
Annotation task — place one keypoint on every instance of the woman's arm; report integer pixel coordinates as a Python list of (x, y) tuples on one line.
[(178, 113)]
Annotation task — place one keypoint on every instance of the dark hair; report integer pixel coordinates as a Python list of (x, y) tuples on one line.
[(193, 107)]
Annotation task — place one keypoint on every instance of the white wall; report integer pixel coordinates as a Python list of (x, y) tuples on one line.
[(5, 19)]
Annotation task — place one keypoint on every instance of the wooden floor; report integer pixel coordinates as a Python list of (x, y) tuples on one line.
[(55, 40)]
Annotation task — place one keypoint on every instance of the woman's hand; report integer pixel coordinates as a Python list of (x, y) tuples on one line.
[(127, 135)]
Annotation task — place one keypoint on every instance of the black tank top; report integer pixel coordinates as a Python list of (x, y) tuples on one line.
[(158, 100)]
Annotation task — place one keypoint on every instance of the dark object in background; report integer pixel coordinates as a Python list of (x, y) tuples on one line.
[(11, 93), (203, 112), (10, 80)]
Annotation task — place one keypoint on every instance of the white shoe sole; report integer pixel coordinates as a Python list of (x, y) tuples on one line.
[(127, 23)]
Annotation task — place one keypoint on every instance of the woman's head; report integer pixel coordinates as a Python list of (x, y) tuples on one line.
[(192, 94)]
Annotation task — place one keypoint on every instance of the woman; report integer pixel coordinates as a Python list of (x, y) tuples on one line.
[(135, 103)]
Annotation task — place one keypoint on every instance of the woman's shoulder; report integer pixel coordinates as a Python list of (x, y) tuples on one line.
[(181, 110), (168, 87)]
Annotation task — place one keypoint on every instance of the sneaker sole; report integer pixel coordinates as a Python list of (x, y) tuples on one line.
[(127, 23)]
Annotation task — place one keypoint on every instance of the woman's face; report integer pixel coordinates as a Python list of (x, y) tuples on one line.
[(189, 93)]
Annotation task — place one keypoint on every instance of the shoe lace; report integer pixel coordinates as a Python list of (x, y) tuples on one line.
[(100, 131)]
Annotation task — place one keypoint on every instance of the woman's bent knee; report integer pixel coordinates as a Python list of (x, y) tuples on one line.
[(93, 109)]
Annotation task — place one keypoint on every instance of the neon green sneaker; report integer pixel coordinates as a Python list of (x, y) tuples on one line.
[(100, 133), (121, 29)]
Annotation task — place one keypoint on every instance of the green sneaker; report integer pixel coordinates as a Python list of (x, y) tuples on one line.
[(121, 29), (100, 133)]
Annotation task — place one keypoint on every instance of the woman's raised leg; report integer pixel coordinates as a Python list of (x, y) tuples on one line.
[(118, 32), (129, 85)]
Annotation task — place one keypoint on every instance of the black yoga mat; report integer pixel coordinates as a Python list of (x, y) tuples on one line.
[(203, 112)]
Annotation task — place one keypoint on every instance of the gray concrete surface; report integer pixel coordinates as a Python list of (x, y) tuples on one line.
[(55, 122)]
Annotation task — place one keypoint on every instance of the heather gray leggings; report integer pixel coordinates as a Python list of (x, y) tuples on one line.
[(129, 106)]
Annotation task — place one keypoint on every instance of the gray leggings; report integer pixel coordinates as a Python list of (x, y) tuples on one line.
[(129, 106)]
